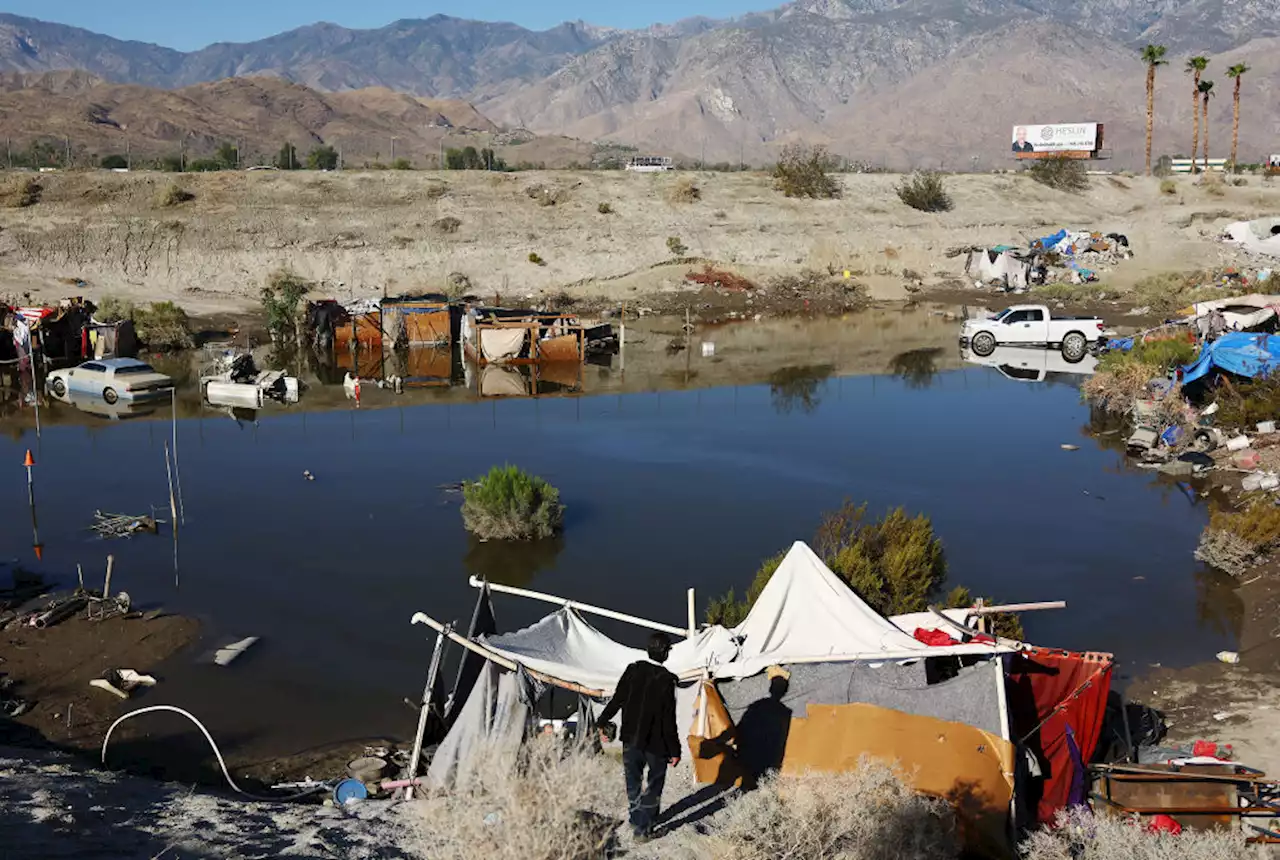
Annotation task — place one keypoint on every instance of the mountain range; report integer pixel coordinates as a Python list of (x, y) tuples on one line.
[(900, 82)]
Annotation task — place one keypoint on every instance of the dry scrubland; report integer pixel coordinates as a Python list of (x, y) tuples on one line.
[(207, 241), (561, 809)]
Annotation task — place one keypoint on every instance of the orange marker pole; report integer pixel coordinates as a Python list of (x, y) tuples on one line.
[(31, 502)]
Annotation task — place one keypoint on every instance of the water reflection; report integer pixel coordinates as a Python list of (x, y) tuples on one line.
[(792, 388), (916, 367), (1218, 604), (511, 562)]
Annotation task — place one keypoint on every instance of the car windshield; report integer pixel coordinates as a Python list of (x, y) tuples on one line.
[(134, 368), (1002, 314)]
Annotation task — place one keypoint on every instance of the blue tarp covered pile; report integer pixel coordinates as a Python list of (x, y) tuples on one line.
[(1243, 353)]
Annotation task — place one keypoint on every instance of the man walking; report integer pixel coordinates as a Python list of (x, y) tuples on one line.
[(646, 693)]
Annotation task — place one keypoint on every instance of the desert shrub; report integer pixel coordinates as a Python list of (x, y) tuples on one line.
[(113, 162), (535, 259), (604, 209), (544, 196), (537, 802), (866, 814), (896, 564), (402, 164), (23, 192), (112, 309), (685, 190), (510, 504), (924, 190), (205, 165), (282, 302), (1081, 835), (1060, 172), (1006, 624), (173, 194), (1169, 291), (1212, 183), (457, 285), (163, 325), (447, 224), (436, 190), (1168, 186), (719, 215), (1249, 402), (1157, 356), (675, 246), (1090, 291), (803, 172)]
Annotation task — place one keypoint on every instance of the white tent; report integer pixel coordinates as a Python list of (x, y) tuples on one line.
[(805, 614)]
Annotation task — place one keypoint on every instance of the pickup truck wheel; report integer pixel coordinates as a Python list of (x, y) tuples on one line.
[(1074, 347), (59, 388), (109, 395), (983, 343)]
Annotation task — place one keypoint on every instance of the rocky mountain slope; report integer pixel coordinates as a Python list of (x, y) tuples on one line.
[(882, 80)]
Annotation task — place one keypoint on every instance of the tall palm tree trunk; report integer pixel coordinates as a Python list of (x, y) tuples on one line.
[(1204, 119), (1235, 122), (1195, 119), (1151, 112)]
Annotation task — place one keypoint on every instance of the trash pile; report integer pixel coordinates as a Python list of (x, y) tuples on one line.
[(123, 525), (233, 379), (1064, 257)]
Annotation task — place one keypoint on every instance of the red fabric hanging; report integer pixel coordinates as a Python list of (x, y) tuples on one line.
[(1052, 690), (933, 638)]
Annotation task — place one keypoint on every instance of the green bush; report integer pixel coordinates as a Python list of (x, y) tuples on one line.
[(204, 165), (163, 325), (1248, 403), (112, 309), (1161, 356), (447, 224), (322, 158), (113, 162), (802, 172), (281, 301), (604, 209), (402, 164), (510, 504), (728, 611), (675, 246), (1168, 186), (173, 194), (535, 259), (925, 191), (1061, 173)]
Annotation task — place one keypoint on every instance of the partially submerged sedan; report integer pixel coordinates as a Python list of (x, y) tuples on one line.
[(112, 379)]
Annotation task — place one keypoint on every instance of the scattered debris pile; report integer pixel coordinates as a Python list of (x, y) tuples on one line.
[(233, 379), (123, 525), (1066, 256)]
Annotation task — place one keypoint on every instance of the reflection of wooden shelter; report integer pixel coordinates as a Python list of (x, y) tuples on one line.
[(499, 335), (417, 321), (525, 380), (364, 329), (365, 363)]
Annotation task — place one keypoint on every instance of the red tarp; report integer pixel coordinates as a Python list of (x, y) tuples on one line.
[(1052, 690)]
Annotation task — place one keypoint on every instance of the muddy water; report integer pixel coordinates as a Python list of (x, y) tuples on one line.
[(684, 470)]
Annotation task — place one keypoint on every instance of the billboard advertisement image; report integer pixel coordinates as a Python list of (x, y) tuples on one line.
[(1074, 137)]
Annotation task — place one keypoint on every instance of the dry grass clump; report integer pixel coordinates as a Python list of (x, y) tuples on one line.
[(544, 196), (1061, 173), (803, 172), (1168, 291), (1081, 835), (23, 192), (1212, 184), (1234, 541), (173, 194), (867, 814), (925, 191), (510, 504), (1117, 390), (604, 208), (685, 190), (1247, 403), (448, 224), (540, 803), (1168, 186), (436, 190)]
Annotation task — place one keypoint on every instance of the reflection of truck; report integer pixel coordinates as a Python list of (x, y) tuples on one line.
[(1032, 325), (1031, 365)]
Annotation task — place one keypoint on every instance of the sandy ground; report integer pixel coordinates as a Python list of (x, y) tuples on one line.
[(373, 233)]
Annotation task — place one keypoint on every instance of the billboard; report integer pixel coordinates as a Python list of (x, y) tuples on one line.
[(1029, 140)]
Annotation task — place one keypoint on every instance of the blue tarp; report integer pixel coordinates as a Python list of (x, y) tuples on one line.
[(1239, 352), (1049, 241), (1123, 344)]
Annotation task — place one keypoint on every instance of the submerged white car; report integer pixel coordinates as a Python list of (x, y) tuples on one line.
[(112, 379)]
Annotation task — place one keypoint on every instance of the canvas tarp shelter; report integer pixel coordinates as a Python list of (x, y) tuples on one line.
[(989, 266), (1260, 236)]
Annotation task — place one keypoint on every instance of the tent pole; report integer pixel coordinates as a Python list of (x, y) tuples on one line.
[(416, 758), (582, 607), (423, 618), (693, 616), (1006, 732), (969, 631), (1018, 607)]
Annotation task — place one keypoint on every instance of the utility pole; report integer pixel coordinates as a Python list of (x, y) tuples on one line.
[(128, 153), (66, 164), (239, 146), (8, 148), (182, 154), (702, 160), (339, 156), (393, 149), (442, 165)]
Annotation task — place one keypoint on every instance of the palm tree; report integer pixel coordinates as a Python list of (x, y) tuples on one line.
[(1236, 73), (1195, 67), (1206, 90), (1152, 55)]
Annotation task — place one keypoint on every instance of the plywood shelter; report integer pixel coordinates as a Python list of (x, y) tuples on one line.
[(843, 682)]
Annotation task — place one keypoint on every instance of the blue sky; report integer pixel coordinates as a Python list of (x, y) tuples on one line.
[(187, 26)]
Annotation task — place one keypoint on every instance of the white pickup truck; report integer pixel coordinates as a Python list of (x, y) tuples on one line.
[(1032, 325)]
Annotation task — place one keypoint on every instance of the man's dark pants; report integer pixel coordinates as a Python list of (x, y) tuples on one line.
[(643, 804)]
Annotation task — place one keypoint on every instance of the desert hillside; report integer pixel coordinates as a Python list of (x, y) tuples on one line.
[(370, 233)]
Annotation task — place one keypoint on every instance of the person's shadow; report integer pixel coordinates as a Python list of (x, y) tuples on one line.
[(762, 734)]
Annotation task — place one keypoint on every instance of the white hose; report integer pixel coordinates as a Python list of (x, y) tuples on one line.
[(221, 763)]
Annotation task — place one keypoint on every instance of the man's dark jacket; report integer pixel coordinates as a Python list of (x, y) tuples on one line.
[(646, 693)]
